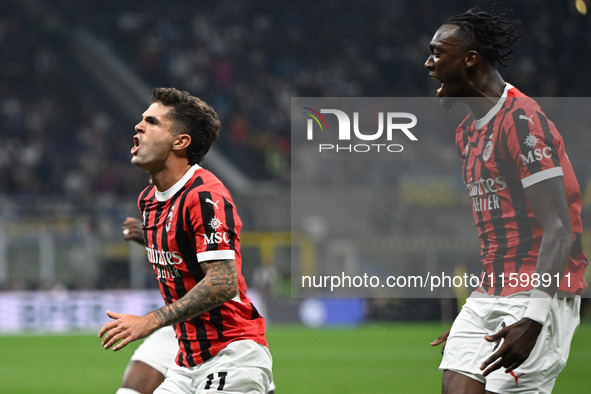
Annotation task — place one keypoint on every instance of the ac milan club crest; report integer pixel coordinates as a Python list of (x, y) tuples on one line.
[(487, 150), (169, 219)]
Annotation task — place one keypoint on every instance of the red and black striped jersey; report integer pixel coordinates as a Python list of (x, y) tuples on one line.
[(513, 147), (195, 221)]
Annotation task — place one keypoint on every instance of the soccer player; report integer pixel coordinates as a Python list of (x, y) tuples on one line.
[(514, 333), (192, 238), (149, 363)]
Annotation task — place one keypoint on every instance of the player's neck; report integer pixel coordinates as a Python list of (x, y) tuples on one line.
[(487, 90), (169, 176)]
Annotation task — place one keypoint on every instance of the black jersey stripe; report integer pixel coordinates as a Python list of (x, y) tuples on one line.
[(186, 242), (173, 209), (142, 206), (519, 203), (577, 247), (230, 222), (185, 239), (216, 319), (522, 222), (549, 139), (144, 196), (473, 176), (255, 313), (496, 217), (500, 119), (153, 220), (465, 135), (185, 347), (208, 217), (469, 177), (204, 343), (180, 357)]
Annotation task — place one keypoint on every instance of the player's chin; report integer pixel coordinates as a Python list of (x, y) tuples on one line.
[(137, 161)]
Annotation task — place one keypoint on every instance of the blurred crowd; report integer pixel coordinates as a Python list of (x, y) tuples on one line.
[(63, 140), (58, 139), (61, 136)]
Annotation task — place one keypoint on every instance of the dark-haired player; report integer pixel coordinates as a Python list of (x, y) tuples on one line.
[(514, 333), (191, 230), (149, 363)]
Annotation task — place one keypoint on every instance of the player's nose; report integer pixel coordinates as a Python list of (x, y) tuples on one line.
[(429, 64)]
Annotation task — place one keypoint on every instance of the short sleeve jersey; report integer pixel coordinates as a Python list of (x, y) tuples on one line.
[(513, 147), (194, 222)]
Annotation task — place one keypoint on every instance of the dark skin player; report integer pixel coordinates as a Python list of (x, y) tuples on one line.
[(465, 73)]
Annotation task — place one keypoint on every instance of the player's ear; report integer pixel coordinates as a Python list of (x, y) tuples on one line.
[(471, 58), (182, 141)]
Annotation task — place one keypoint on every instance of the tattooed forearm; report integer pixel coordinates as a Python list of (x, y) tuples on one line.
[(219, 285)]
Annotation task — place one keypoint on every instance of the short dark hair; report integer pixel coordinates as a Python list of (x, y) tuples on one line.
[(492, 35), (190, 115)]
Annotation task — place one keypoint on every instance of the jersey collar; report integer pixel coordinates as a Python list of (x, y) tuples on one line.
[(480, 123), (167, 194)]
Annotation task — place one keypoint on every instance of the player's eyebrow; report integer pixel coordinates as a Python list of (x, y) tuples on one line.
[(152, 120)]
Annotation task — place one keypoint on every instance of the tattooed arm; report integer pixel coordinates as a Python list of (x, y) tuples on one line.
[(219, 285)]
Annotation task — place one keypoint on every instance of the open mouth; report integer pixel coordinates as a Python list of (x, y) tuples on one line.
[(136, 144), (439, 91)]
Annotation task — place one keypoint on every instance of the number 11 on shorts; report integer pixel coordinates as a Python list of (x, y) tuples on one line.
[(221, 377)]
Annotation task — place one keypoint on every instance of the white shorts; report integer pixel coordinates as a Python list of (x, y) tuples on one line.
[(483, 315), (242, 367), (158, 350)]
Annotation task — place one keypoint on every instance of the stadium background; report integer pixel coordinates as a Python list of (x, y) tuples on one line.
[(74, 80)]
